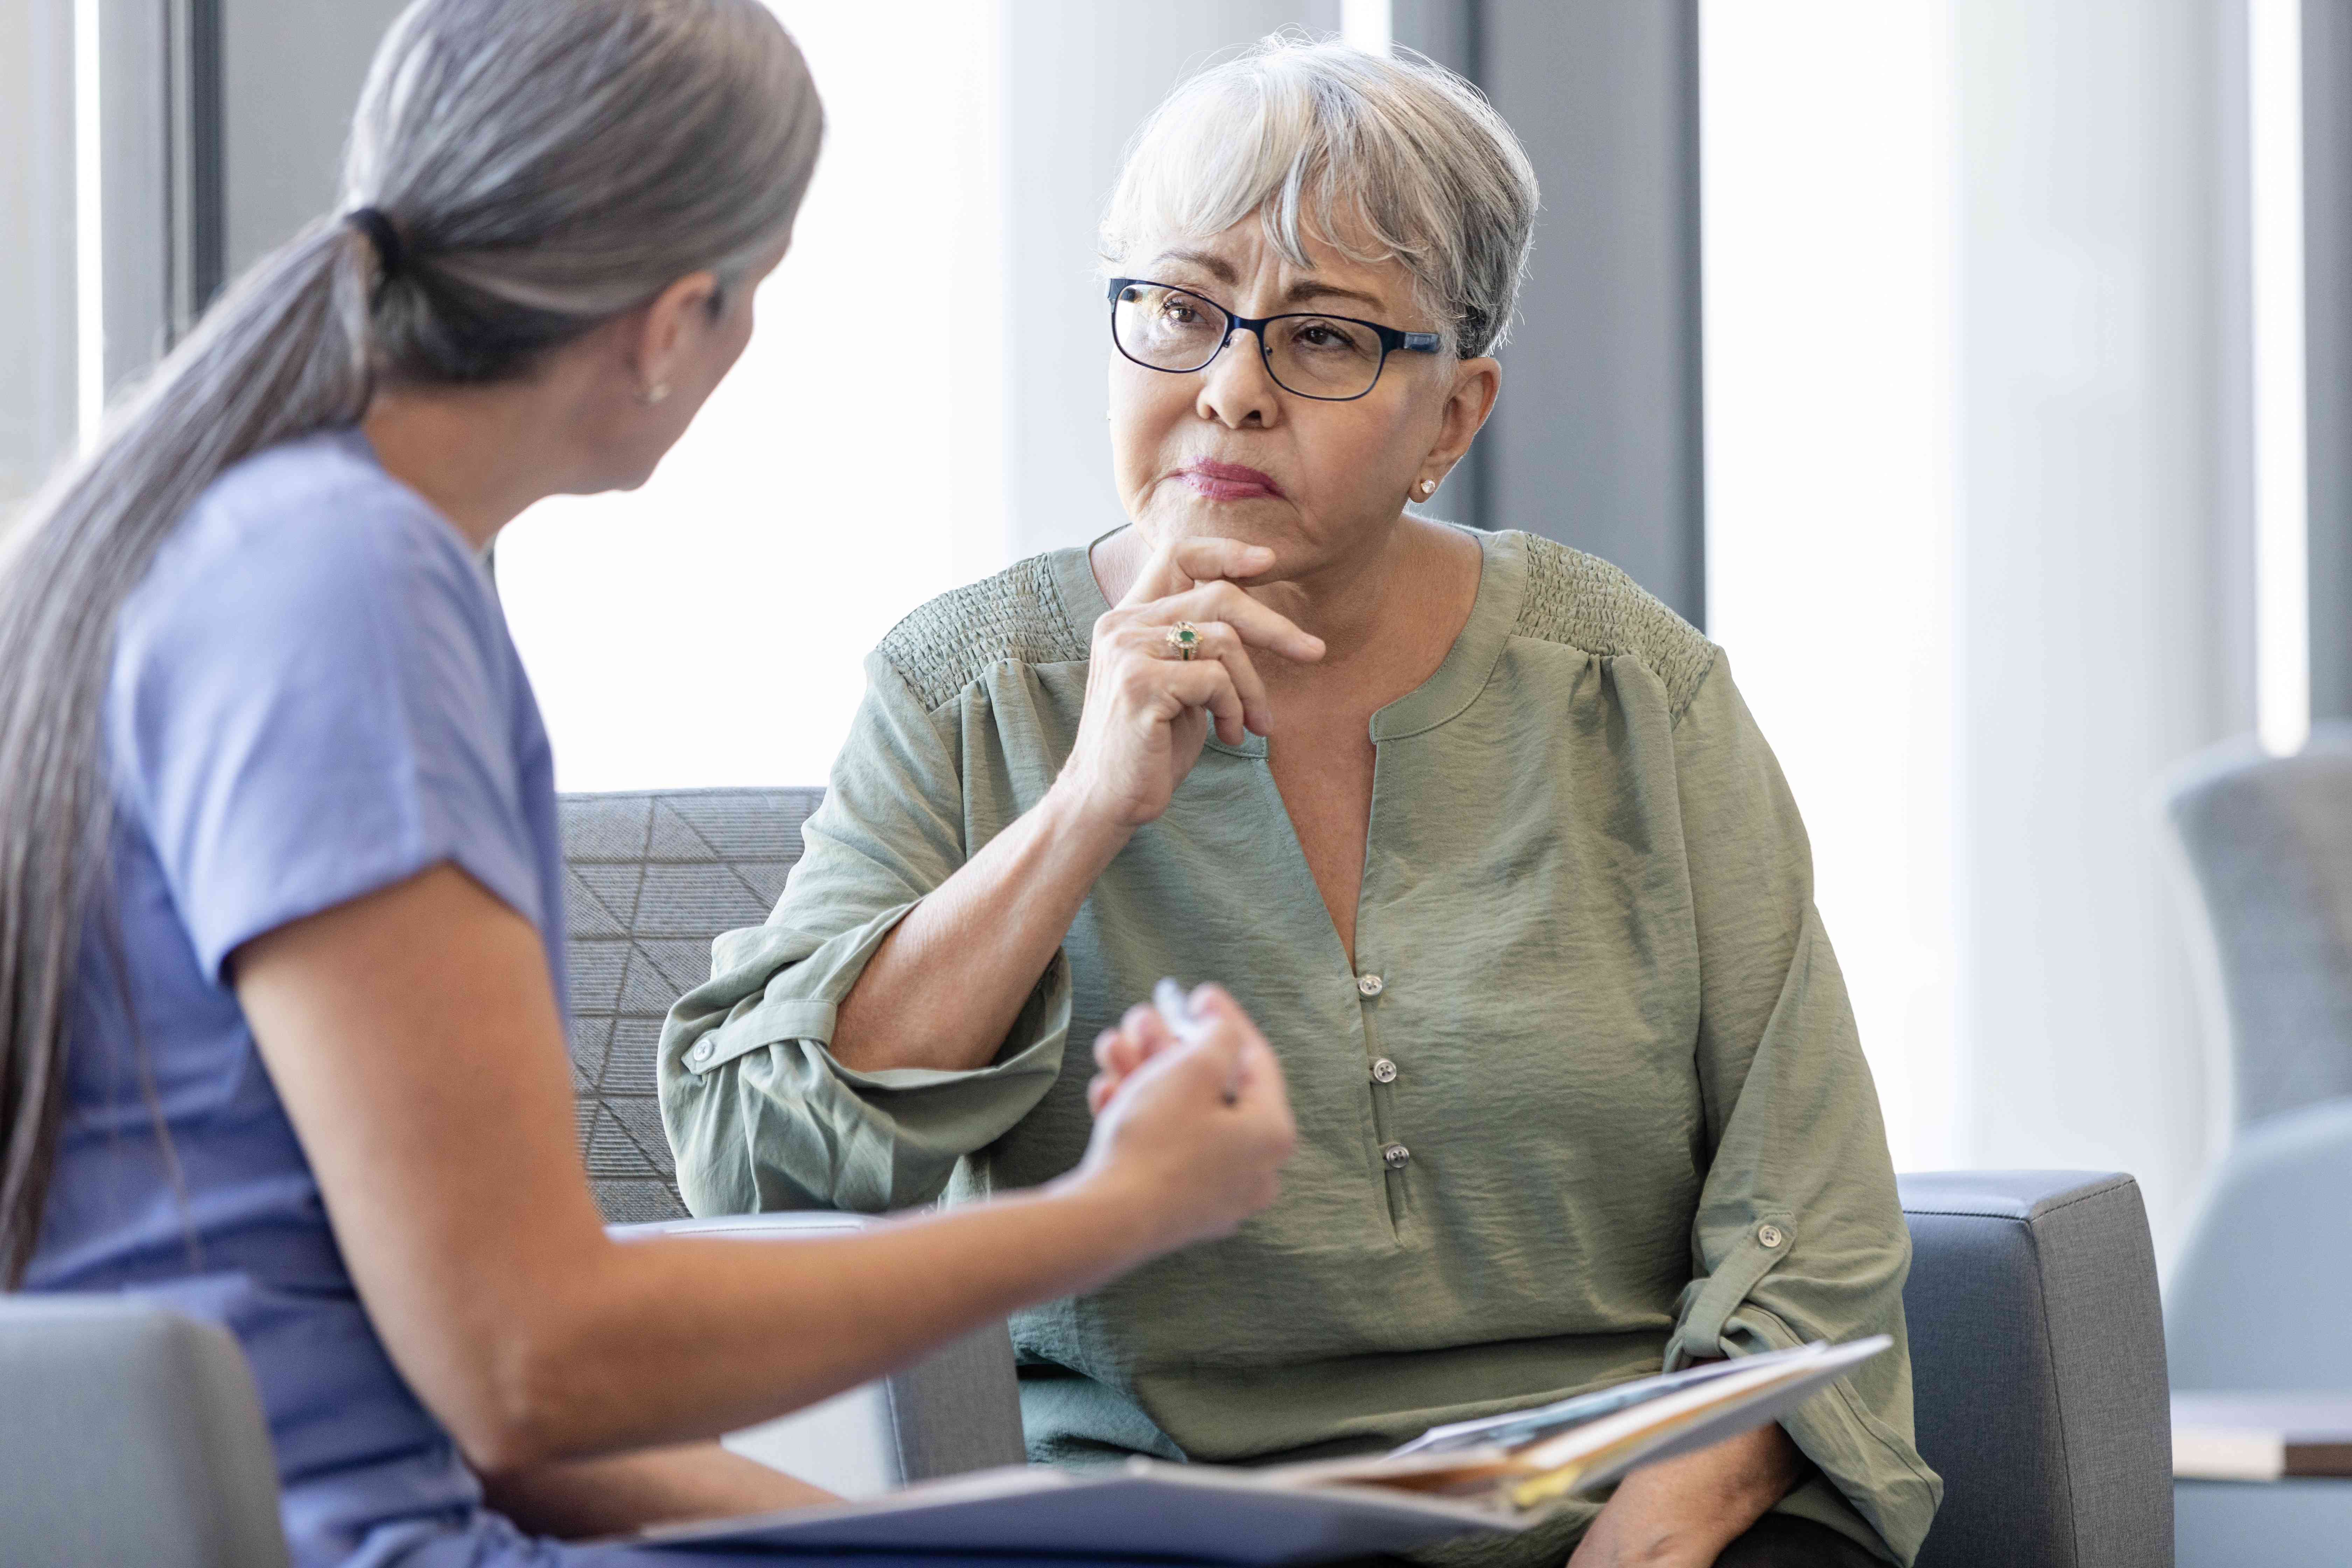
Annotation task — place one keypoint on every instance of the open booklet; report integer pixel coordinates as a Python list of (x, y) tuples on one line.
[(1497, 1475)]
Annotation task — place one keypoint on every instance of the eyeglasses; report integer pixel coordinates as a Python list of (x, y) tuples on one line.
[(1334, 359)]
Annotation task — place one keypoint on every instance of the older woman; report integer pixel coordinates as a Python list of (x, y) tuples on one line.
[(1482, 833)]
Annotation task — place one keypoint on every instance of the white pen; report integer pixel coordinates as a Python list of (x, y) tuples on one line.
[(1175, 1008)]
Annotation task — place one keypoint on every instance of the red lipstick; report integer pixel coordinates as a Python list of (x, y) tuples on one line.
[(1229, 481)]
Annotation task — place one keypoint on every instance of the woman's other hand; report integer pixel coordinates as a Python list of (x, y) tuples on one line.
[(1195, 1133), (1148, 710), (1682, 1512)]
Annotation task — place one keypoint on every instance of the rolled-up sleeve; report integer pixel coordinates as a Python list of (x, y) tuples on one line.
[(1799, 1234), (761, 1115)]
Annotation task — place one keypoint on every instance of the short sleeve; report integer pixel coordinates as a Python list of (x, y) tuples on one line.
[(308, 703), (761, 1113)]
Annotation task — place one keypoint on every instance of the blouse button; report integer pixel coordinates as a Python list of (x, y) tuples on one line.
[(1771, 1236), (1396, 1154), (700, 1053), (1384, 1071), (1370, 985)]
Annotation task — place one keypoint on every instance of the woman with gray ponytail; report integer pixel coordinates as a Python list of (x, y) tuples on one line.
[(281, 977)]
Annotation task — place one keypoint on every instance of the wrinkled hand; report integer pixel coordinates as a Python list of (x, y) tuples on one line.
[(1682, 1512), (1193, 1134), (1147, 712)]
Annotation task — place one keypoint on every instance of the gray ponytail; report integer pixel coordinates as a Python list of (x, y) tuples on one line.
[(546, 165)]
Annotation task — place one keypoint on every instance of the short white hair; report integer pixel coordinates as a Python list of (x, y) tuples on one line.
[(1395, 154)]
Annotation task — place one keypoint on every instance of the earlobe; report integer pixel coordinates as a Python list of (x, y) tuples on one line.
[(665, 329)]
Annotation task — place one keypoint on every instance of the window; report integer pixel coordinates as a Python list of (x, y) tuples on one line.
[(711, 629), (1830, 553), (38, 398)]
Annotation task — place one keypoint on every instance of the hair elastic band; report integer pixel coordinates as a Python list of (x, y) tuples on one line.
[(378, 226)]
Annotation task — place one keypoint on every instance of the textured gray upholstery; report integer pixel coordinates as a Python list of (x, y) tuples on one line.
[(653, 877), (2268, 843), (130, 1435), (2037, 1355)]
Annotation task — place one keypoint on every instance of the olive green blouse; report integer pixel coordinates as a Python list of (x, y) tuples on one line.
[(1589, 1100)]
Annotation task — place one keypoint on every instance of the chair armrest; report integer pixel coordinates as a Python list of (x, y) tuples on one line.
[(2038, 1370), (955, 1410), (130, 1433)]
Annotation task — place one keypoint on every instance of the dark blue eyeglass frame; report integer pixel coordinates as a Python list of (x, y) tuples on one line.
[(1391, 340)]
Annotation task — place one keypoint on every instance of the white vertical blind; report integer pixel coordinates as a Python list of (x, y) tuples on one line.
[(39, 409), (90, 223), (1825, 221), (710, 628), (1369, 24), (2282, 483)]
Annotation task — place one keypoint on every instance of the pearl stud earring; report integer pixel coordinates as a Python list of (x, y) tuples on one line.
[(653, 393), (1428, 489)]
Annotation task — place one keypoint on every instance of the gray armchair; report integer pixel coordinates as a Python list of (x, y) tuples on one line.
[(2038, 1347), (128, 1433), (2256, 1299)]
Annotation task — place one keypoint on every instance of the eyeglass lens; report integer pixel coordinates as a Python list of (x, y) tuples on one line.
[(1315, 357)]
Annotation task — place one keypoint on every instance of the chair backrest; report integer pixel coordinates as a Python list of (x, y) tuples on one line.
[(2038, 1369), (128, 1433), (653, 877), (2256, 1298), (2268, 842)]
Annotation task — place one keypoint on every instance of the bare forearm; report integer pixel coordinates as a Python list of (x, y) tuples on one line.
[(1683, 1512), (947, 985), (573, 1500), (777, 1325)]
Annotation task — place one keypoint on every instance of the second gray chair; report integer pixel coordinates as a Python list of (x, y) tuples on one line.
[(2268, 843), (2255, 1300)]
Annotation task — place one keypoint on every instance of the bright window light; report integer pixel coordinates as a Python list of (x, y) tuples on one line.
[(2282, 494), (711, 627), (1368, 23), (1825, 193), (90, 226)]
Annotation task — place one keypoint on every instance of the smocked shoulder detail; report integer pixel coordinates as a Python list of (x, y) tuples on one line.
[(1584, 601), (952, 641)]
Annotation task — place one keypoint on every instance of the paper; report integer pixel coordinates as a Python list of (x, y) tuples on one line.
[(1387, 1503), (1144, 1508)]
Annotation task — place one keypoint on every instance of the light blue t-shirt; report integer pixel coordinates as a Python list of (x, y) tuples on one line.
[(313, 697)]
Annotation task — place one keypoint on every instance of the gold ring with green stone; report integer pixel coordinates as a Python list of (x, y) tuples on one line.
[(1185, 639)]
